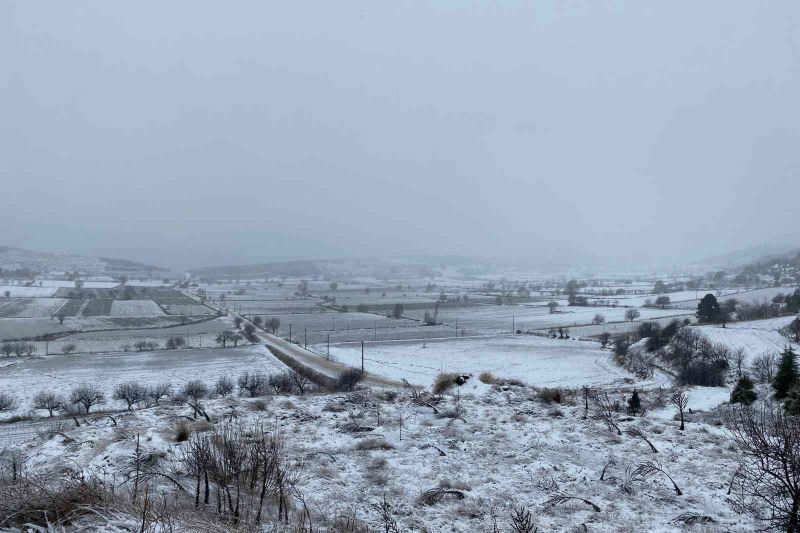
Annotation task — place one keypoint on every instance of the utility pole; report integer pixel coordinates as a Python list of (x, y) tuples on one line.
[(513, 326), (290, 333), (329, 346), (362, 357), (305, 337), (375, 329), (456, 327)]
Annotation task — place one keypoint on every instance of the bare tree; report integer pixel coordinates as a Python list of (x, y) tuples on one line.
[(764, 366), (224, 386), (237, 321), (300, 381), (680, 401), (552, 306), (69, 348), (273, 324), (131, 392), (46, 400), (738, 358), (769, 475), (86, 396), (225, 337), (632, 314), (253, 382), (192, 392), (599, 319), (604, 338), (158, 391)]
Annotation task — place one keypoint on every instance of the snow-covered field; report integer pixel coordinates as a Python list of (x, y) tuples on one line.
[(756, 336), (750, 296), (535, 360), (18, 291), (60, 373), (135, 308), (30, 307), (499, 318), (88, 284)]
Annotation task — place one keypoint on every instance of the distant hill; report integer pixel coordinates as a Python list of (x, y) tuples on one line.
[(753, 254), (20, 261)]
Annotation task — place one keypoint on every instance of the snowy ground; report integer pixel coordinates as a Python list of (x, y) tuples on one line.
[(508, 450), (24, 377), (756, 336), (532, 359), (135, 308), (17, 291), (30, 307)]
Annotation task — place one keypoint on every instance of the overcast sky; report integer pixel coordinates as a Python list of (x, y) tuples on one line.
[(205, 133)]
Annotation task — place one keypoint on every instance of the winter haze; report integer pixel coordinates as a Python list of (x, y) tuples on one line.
[(191, 133)]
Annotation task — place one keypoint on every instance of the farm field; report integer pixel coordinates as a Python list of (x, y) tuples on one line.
[(60, 373), (494, 318), (135, 308), (30, 307), (19, 291), (535, 360), (755, 337), (751, 296)]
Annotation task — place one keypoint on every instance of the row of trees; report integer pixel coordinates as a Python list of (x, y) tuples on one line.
[(83, 398)]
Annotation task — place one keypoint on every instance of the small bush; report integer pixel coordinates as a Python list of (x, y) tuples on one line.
[(348, 379), (444, 382), (69, 348), (549, 395), (488, 378), (182, 431), (373, 444)]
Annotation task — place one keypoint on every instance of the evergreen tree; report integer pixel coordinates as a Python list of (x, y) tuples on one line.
[(634, 402), (743, 392), (792, 403), (708, 309), (786, 377)]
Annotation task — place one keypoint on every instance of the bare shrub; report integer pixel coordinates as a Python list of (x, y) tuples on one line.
[(86, 396), (69, 348), (604, 411), (560, 499), (175, 342), (444, 382), (348, 379), (373, 444), (7, 402), (183, 431), (651, 468), (488, 378), (522, 521), (434, 496), (549, 395), (769, 442)]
